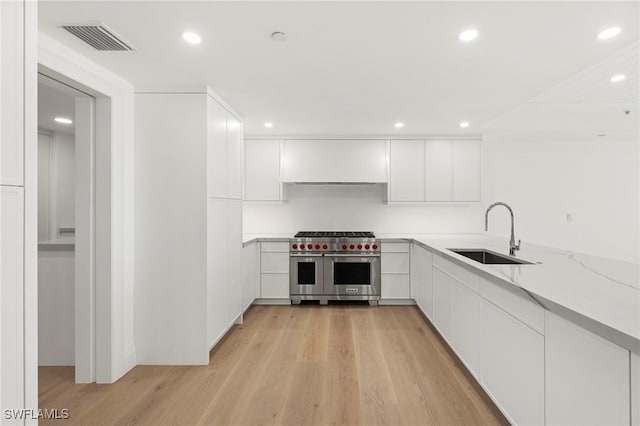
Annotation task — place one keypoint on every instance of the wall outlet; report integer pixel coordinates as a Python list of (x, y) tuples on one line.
[(569, 217)]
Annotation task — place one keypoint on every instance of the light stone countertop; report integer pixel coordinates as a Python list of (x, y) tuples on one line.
[(601, 294), (57, 245)]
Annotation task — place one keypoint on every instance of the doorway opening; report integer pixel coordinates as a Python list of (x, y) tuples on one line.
[(71, 247)]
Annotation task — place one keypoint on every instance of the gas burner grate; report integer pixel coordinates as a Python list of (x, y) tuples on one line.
[(334, 234)]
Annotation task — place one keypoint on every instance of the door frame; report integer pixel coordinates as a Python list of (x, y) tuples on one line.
[(105, 348)]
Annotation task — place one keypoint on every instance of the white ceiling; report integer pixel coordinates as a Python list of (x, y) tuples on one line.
[(355, 68)]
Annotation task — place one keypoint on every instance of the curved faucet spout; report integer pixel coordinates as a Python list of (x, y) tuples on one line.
[(512, 242)]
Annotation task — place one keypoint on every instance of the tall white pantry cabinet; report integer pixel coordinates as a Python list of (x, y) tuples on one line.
[(18, 201), (188, 225)]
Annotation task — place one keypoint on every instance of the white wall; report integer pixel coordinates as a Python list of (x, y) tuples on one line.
[(544, 180), (357, 207), (56, 311)]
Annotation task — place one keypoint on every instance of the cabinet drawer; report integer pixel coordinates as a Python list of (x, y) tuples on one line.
[(279, 247), (461, 274), (274, 286), (514, 301), (395, 286), (395, 263), (394, 248), (274, 263)]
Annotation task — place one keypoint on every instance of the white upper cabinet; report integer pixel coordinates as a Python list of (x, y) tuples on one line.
[(434, 170), (466, 170), (216, 149), (407, 168), (355, 161), (262, 170), (234, 158), (439, 172), (11, 92)]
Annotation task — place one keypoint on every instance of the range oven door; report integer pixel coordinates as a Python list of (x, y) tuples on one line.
[(305, 274), (352, 274)]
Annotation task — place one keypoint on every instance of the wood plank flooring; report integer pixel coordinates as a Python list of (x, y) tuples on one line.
[(292, 365)]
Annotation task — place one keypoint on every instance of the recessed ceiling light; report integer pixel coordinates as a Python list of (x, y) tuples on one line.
[(268, 124), (464, 124), (609, 33), (617, 78), (191, 37), (399, 125), (279, 36), (468, 35), (63, 120)]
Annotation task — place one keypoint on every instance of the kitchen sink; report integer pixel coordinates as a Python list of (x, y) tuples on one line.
[(488, 257)]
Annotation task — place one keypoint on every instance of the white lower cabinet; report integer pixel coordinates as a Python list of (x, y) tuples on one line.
[(512, 365), (216, 269), (274, 270), (421, 281), (395, 269), (275, 286), (587, 377), (466, 326), (635, 389), (250, 274), (443, 303)]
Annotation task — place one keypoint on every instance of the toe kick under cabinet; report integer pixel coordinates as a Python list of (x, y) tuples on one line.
[(538, 367)]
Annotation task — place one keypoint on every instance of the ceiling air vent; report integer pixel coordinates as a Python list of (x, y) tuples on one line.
[(98, 36)]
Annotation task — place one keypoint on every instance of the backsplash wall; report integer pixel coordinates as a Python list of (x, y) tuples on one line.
[(357, 208)]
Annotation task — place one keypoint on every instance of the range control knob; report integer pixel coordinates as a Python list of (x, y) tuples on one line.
[(344, 247), (359, 246), (351, 246), (301, 246), (366, 246), (317, 246), (375, 246), (295, 246), (324, 247)]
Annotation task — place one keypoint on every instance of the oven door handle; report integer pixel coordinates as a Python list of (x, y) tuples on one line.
[(305, 255), (352, 255)]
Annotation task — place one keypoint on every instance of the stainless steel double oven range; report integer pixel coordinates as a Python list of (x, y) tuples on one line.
[(327, 266)]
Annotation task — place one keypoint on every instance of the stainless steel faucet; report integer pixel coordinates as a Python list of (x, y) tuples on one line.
[(512, 242)]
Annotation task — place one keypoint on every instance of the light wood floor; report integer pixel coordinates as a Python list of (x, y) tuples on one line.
[(302, 365)]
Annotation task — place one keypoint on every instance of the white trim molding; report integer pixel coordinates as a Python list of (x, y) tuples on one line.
[(114, 302)]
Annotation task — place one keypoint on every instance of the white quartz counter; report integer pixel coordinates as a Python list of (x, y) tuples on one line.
[(602, 295)]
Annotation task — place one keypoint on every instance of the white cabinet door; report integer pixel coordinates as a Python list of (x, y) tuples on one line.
[(395, 286), (234, 157), (44, 187), (216, 150), (512, 365), (443, 303), (274, 263), (466, 170), (439, 170), (587, 376), (421, 282), (394, 263), (11, 93), (216, 268), (11, 300), (234, 259), (407, 167), (466, 326), (275, 286), (250, 274), (262, 170)]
